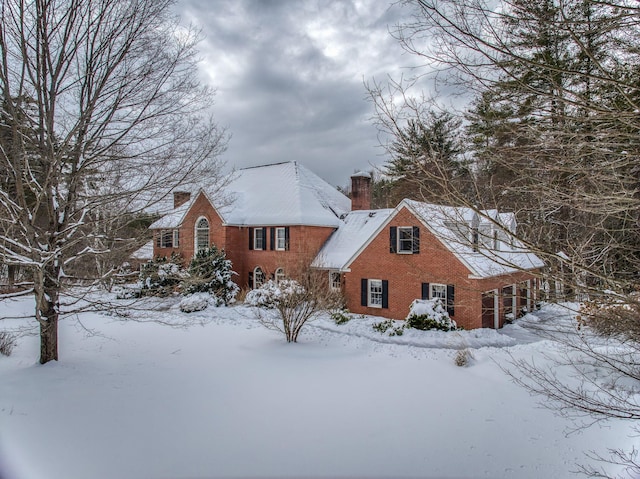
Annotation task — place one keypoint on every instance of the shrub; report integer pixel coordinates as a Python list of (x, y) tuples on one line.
[(271, 294), (7, 343), (463, 357), (430, 315), (341, 316), (616, 316), (294, 303), (161, 276), (210, 272), (195, 302), (389, 324)]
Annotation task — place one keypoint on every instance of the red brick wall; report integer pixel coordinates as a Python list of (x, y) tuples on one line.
[(304, 244), (406, 273), (200, 208)]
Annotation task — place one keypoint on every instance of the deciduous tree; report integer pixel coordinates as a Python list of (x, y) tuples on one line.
[(102, 114)]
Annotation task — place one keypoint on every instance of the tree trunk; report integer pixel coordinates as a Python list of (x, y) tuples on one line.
[(47, 292), (49, 338)]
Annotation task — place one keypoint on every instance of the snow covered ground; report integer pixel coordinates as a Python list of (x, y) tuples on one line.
[(215, 394)]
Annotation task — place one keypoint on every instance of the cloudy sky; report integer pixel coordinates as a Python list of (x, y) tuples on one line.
[(289, 76)]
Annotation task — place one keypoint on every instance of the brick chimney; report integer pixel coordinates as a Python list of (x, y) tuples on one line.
[(180, 198), (361, 191)]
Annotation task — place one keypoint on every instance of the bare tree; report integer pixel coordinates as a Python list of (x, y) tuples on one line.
[(552, 133), (294, 302), (102, 115)]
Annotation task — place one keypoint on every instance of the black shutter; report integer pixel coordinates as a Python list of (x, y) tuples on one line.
[(251, 279), (364, 292), (393, 239), (250, 238), (385, 294), (158, 234), (425, 290), (450, 299), (272, 234), (286, 238), (416, 240)]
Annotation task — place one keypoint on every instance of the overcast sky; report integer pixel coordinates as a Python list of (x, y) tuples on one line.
[(289, 78)]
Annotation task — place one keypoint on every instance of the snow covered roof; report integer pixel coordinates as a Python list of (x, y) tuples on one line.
[(174, 218), (483, 262), (346, 241), (278, 194), (283, 193), (452, 225), (145, 252)]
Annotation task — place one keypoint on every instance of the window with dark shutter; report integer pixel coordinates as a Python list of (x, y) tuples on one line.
[(364, 292), (416, 240), (286, 238), (425, 291), (450, 299), (385, 294), (393, 239)]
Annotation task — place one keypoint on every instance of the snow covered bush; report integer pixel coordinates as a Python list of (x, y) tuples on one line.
[(463, 357), (341, 316), (195, 302), (210, 272), (428, 314), (270, 294), (7, 343), (294, 303), (162, 276), (390, 325)]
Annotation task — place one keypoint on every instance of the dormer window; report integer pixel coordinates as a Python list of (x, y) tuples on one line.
[(404, 239)]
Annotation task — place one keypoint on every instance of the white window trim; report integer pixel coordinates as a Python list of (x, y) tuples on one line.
[(196, 245), (167, 234), (279, 275), (255, 238), (431, 295), (398, 240), (332, 284), (282, 237), (258, 270), (370, 284)]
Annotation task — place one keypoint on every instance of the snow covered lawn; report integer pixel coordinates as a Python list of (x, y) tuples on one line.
[(218, 395)]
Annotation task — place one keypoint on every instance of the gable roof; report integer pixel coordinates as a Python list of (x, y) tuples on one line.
[(271, 195), (345, 242), (361, 227), (482, 262)]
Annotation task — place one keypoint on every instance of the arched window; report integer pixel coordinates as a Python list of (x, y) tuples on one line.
[(279, 275), (258, 277), (202, 234)]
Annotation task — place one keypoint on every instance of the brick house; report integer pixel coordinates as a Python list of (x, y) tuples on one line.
[(273, 220)]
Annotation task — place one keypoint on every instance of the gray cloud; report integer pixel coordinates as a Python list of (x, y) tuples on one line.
[(290, 78)]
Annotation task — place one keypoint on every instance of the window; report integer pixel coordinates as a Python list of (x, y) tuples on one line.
[(485, 232), (375, 293), (167, 239), (404, 239), (258, 277), (202, 234), (279, 275), (443, 292), (281, 239), (257, 238), (439, 291), (334, 280)]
